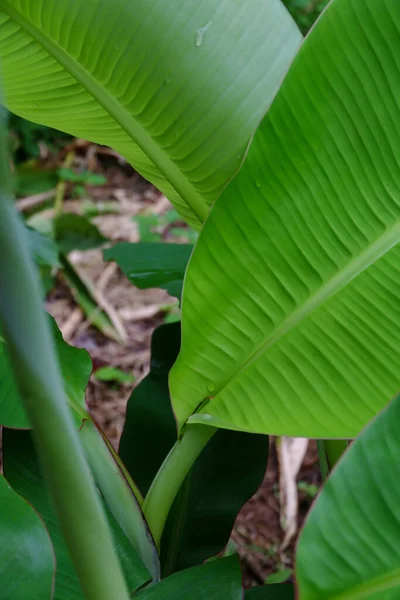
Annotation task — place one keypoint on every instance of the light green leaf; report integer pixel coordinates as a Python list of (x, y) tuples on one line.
[(217, 580), (177, 88), (350, 545), (291, 310), (22, 470), (152, 265), (112, 374), (26, 555), (44, 251)]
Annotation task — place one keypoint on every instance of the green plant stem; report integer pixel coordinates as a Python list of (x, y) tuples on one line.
[(120, 497), (34, 362), (329, 452), (172, 474), (62, 186)]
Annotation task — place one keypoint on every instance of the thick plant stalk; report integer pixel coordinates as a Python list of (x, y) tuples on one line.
[(26, 331), (171, 475)]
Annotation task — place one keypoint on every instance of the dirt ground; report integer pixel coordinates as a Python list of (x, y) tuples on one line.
[(257, 535)]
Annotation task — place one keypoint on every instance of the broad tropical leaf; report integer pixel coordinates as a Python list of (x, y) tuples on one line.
[(23, 472), (177, 88), (226, 474), (152, 265), (26, 556), (291, 310), (350, 545), (217, 580)]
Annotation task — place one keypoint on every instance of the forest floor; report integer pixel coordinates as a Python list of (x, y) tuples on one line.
[(258, 533)]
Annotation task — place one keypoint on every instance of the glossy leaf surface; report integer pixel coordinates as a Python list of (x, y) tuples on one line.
[(291, 311), (152, 265), (350, 545), (226, 474), (22, 471), (26, 555), (178, 89), (217, 580)]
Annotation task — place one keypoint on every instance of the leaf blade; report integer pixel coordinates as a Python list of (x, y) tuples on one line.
[(135, 111), (295, 272)]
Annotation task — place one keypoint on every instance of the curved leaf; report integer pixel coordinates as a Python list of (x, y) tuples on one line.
[(26, 555), (177, 88), (152, 265), (291, 311), (22, 470), (350, 545), (217, 580)]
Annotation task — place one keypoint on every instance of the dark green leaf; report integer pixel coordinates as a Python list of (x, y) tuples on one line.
[(350, 545), (31, 179), (224, 477), (26, 555), (44, 251), (150, 430), (23, 472), (282, 591), (218, 580), (73, 232), (152, 265)]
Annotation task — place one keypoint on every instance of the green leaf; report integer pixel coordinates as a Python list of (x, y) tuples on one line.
[(26, 557), (23, 472), (227, 473), (114, 375), (178, 89), (218, 580), (152, 265), (290, 315), (84, 177), (279, 577), (282, 591), (76, 367), (43, 249), (73, 232), (350, 545), (31, 178)]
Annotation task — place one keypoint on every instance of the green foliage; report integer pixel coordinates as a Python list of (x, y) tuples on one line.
[(305, 12), (112, 374), (152, 265), (26, 557), (290, 322), (350, 546)]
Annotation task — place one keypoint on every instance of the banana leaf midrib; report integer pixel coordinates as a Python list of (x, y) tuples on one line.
[(121, 116)]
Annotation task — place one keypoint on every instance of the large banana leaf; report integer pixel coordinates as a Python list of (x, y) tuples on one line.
[(176, 87), (350, 546), (291, 309)]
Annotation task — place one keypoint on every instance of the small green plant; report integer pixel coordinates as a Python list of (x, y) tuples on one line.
[(290, 298)]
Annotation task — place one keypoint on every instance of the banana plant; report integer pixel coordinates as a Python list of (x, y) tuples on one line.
[(290, 310)]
